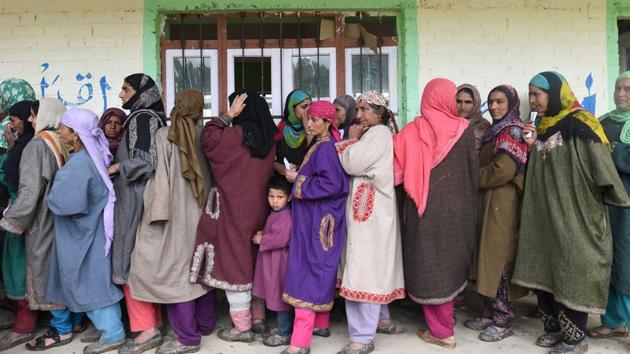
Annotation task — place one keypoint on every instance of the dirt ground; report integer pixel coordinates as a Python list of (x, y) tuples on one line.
[(408, 318)]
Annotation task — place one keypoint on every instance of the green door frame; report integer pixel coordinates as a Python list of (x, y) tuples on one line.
[(614, 11), (405, 10)]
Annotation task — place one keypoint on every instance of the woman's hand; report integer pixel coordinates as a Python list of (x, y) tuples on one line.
[(237, 106), (257, 238), (529, 134), (113, 169), (290, 175), (356, 131)]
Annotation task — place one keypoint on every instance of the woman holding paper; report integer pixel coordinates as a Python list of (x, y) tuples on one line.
[(502, 158), (565, 246), (293, 141)]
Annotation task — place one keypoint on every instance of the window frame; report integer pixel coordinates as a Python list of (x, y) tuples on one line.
[(287, 70), (213, 55), (392, 71)]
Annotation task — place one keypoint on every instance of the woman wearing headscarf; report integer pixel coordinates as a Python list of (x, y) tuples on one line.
[(318, 232), (14, 251), (468, 102), (294, 141), (111, 123), (82, 202), (240, 148), (565, 244), (371, 269), (503, 158), (346, 108), (174, 198), (29, 216), (616, 125), (134, 163), (436, 160)]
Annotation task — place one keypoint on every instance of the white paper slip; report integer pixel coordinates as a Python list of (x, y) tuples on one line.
[(532, 116), (287, 164)]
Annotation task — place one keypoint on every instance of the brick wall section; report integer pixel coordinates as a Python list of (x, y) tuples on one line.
[(73, 37), (490, 42)]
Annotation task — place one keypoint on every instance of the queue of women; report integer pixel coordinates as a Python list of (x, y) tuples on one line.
[(135, 223)]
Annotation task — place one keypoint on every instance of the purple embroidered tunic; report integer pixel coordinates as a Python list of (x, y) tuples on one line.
[(319, 229)]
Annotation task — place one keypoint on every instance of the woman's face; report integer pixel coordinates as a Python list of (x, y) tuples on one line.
[(538, 100), (300, 110), (317, 127), (341, 114), (66, 135), (498, 104), (17, 125), (366, 114), (33, 118), (113, 127), (465, 104)]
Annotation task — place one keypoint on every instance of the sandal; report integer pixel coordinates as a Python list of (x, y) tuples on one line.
[(79, 328), (605, 332), (276, 340), (6, 344), (387, 328), (493, 334), (40, 342)]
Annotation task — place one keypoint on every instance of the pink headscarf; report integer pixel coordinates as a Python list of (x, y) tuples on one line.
[(325, 110), (85, 123), (423, 144)]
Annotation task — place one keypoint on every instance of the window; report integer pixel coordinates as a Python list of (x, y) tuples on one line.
[(289, 59), (364, 74), (178, 79), (305, 70)]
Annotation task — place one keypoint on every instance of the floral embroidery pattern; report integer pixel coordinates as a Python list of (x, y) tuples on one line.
[(372, 298), (326, 231), (305, 304), (343, 145), (298, 186), (363, 202), (551, 143), (208, 250), (213, 204)]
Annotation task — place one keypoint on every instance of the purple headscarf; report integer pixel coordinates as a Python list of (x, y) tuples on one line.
[(85, 123)]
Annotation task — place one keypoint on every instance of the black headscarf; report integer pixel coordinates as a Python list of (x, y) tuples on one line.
[(256, 122), (11, 166), (147, 95)]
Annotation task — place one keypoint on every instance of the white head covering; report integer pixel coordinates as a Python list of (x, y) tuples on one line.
[(49, 114)]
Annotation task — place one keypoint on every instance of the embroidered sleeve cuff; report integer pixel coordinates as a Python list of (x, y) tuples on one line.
[(11, 228), (224, 120), (298, 186)]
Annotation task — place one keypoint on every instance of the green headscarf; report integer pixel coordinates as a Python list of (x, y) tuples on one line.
[(293, 132), (12, 91), (620, 116)]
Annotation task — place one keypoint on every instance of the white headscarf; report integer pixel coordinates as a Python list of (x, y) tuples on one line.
[(49, 114)]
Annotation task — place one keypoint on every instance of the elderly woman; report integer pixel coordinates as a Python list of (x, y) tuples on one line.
[(29, 215), (502, 159), (437, 162), (319, 229), (617, 128), (294, 141), (346, 108), (14, 252), (565, 245), (82, 202), (371, 271), (111, 122), (469, 106), (174, 198), (240, 149)]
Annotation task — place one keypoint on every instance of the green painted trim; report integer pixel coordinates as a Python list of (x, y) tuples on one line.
[(405, 10), (614, 12)]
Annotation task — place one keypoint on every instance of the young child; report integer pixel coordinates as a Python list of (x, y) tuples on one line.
[(271, 264)]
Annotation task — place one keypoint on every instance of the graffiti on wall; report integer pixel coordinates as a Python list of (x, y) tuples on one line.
[(589, 102), (85, 91)]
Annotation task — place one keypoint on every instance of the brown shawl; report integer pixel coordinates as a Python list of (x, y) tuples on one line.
[(187, 111)]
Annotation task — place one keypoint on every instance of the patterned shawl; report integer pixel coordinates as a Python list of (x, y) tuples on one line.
[(12, 91), (293, 131)]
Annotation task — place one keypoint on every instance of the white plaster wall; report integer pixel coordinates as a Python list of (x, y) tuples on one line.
[(491, 42), (103, 38)]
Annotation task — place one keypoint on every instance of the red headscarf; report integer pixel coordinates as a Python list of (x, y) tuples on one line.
[(107, 115), (423, 144), (326, 110)]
